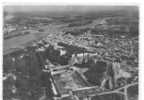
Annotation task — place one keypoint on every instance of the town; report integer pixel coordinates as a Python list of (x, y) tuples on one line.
[(77, 57)]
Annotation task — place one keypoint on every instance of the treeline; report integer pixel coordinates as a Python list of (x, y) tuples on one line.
[(80, 23), (77, 31)]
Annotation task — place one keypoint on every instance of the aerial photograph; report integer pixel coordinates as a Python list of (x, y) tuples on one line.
[(70, 52)]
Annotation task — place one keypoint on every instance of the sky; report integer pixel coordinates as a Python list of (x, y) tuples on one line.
[(43, 8)]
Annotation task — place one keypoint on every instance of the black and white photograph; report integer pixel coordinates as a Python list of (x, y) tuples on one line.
[(70, 52)]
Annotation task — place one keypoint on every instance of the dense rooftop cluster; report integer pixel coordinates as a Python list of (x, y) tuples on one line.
[(93, 56)]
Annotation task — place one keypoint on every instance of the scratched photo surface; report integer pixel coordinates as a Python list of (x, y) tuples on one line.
[(70, 52)]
